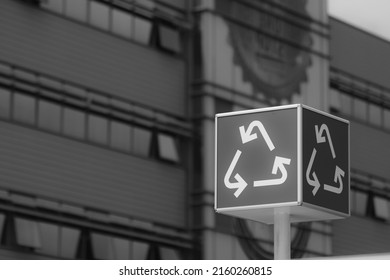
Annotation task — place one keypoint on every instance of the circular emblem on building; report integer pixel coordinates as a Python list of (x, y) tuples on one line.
[(270, 45)]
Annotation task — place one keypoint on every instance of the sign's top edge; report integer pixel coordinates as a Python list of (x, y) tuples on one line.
[(325, 113), (250, 111), (282, 107)]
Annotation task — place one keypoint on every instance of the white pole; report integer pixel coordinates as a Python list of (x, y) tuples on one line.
[(282, 241)]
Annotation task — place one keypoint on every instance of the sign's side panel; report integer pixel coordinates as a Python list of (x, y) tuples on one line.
[(257, 160), (325, 161), (215, 162), (299, 154)]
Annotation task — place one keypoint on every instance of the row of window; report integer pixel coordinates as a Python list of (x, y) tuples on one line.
[(368, 103), (360, 109), (371, 205), (67, 242), (365, 102), (60, 90), (85, 125), (132, 20), (370, 196)]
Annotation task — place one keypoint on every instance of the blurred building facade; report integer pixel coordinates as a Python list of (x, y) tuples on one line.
[(107, 123)]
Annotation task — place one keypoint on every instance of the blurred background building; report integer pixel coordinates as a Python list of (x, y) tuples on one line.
[(107, 123)]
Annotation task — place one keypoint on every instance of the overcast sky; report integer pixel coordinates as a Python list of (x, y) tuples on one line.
[(370, 15)]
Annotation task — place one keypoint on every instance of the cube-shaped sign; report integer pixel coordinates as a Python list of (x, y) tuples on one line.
[(289, 156)]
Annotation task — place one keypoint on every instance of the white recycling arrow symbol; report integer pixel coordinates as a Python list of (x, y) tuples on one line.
[(279, 163), (247, 136), (338, 177), (313, 182), (311, 176), (322, 139), (240, 184)]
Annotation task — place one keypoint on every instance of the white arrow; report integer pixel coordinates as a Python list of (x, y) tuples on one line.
[(278, 165), (312, 182), (338, 174), (322, 139), (240, 185), (247, 136)]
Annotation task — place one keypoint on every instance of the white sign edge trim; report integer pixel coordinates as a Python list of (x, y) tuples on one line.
[(327, 210), (258, 206), (215, 161), (259, 110), (306, 205), (299, 154), (324, 113), (349, 169)]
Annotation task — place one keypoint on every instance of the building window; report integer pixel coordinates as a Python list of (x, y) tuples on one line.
[(386, 119), (381, 208), (69, 241), (120, 136), (106, 247), (49, 116), (5, 101), (360, 109), (140, 250), (346, 104), (76, 9), (99, 15), (167, 148), (24, 108), (121, 248), (97, 129), (374, 114), (168, 38), (2, 220), (169, 253), (334, 100), (74, 123), (367, 203), (58, 241), (27, 233), (53, 5), (141, 141), (360, 202), (122, 23), (50, 239), (101, 247), (142, 30)]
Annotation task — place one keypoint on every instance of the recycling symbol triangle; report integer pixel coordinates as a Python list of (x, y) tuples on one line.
[(247, 135), (323, 136)]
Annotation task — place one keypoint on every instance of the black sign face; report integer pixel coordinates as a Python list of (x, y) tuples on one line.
[(325, 161), (257, 158)]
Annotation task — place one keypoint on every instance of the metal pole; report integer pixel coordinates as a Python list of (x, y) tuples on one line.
[(282, 240)]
